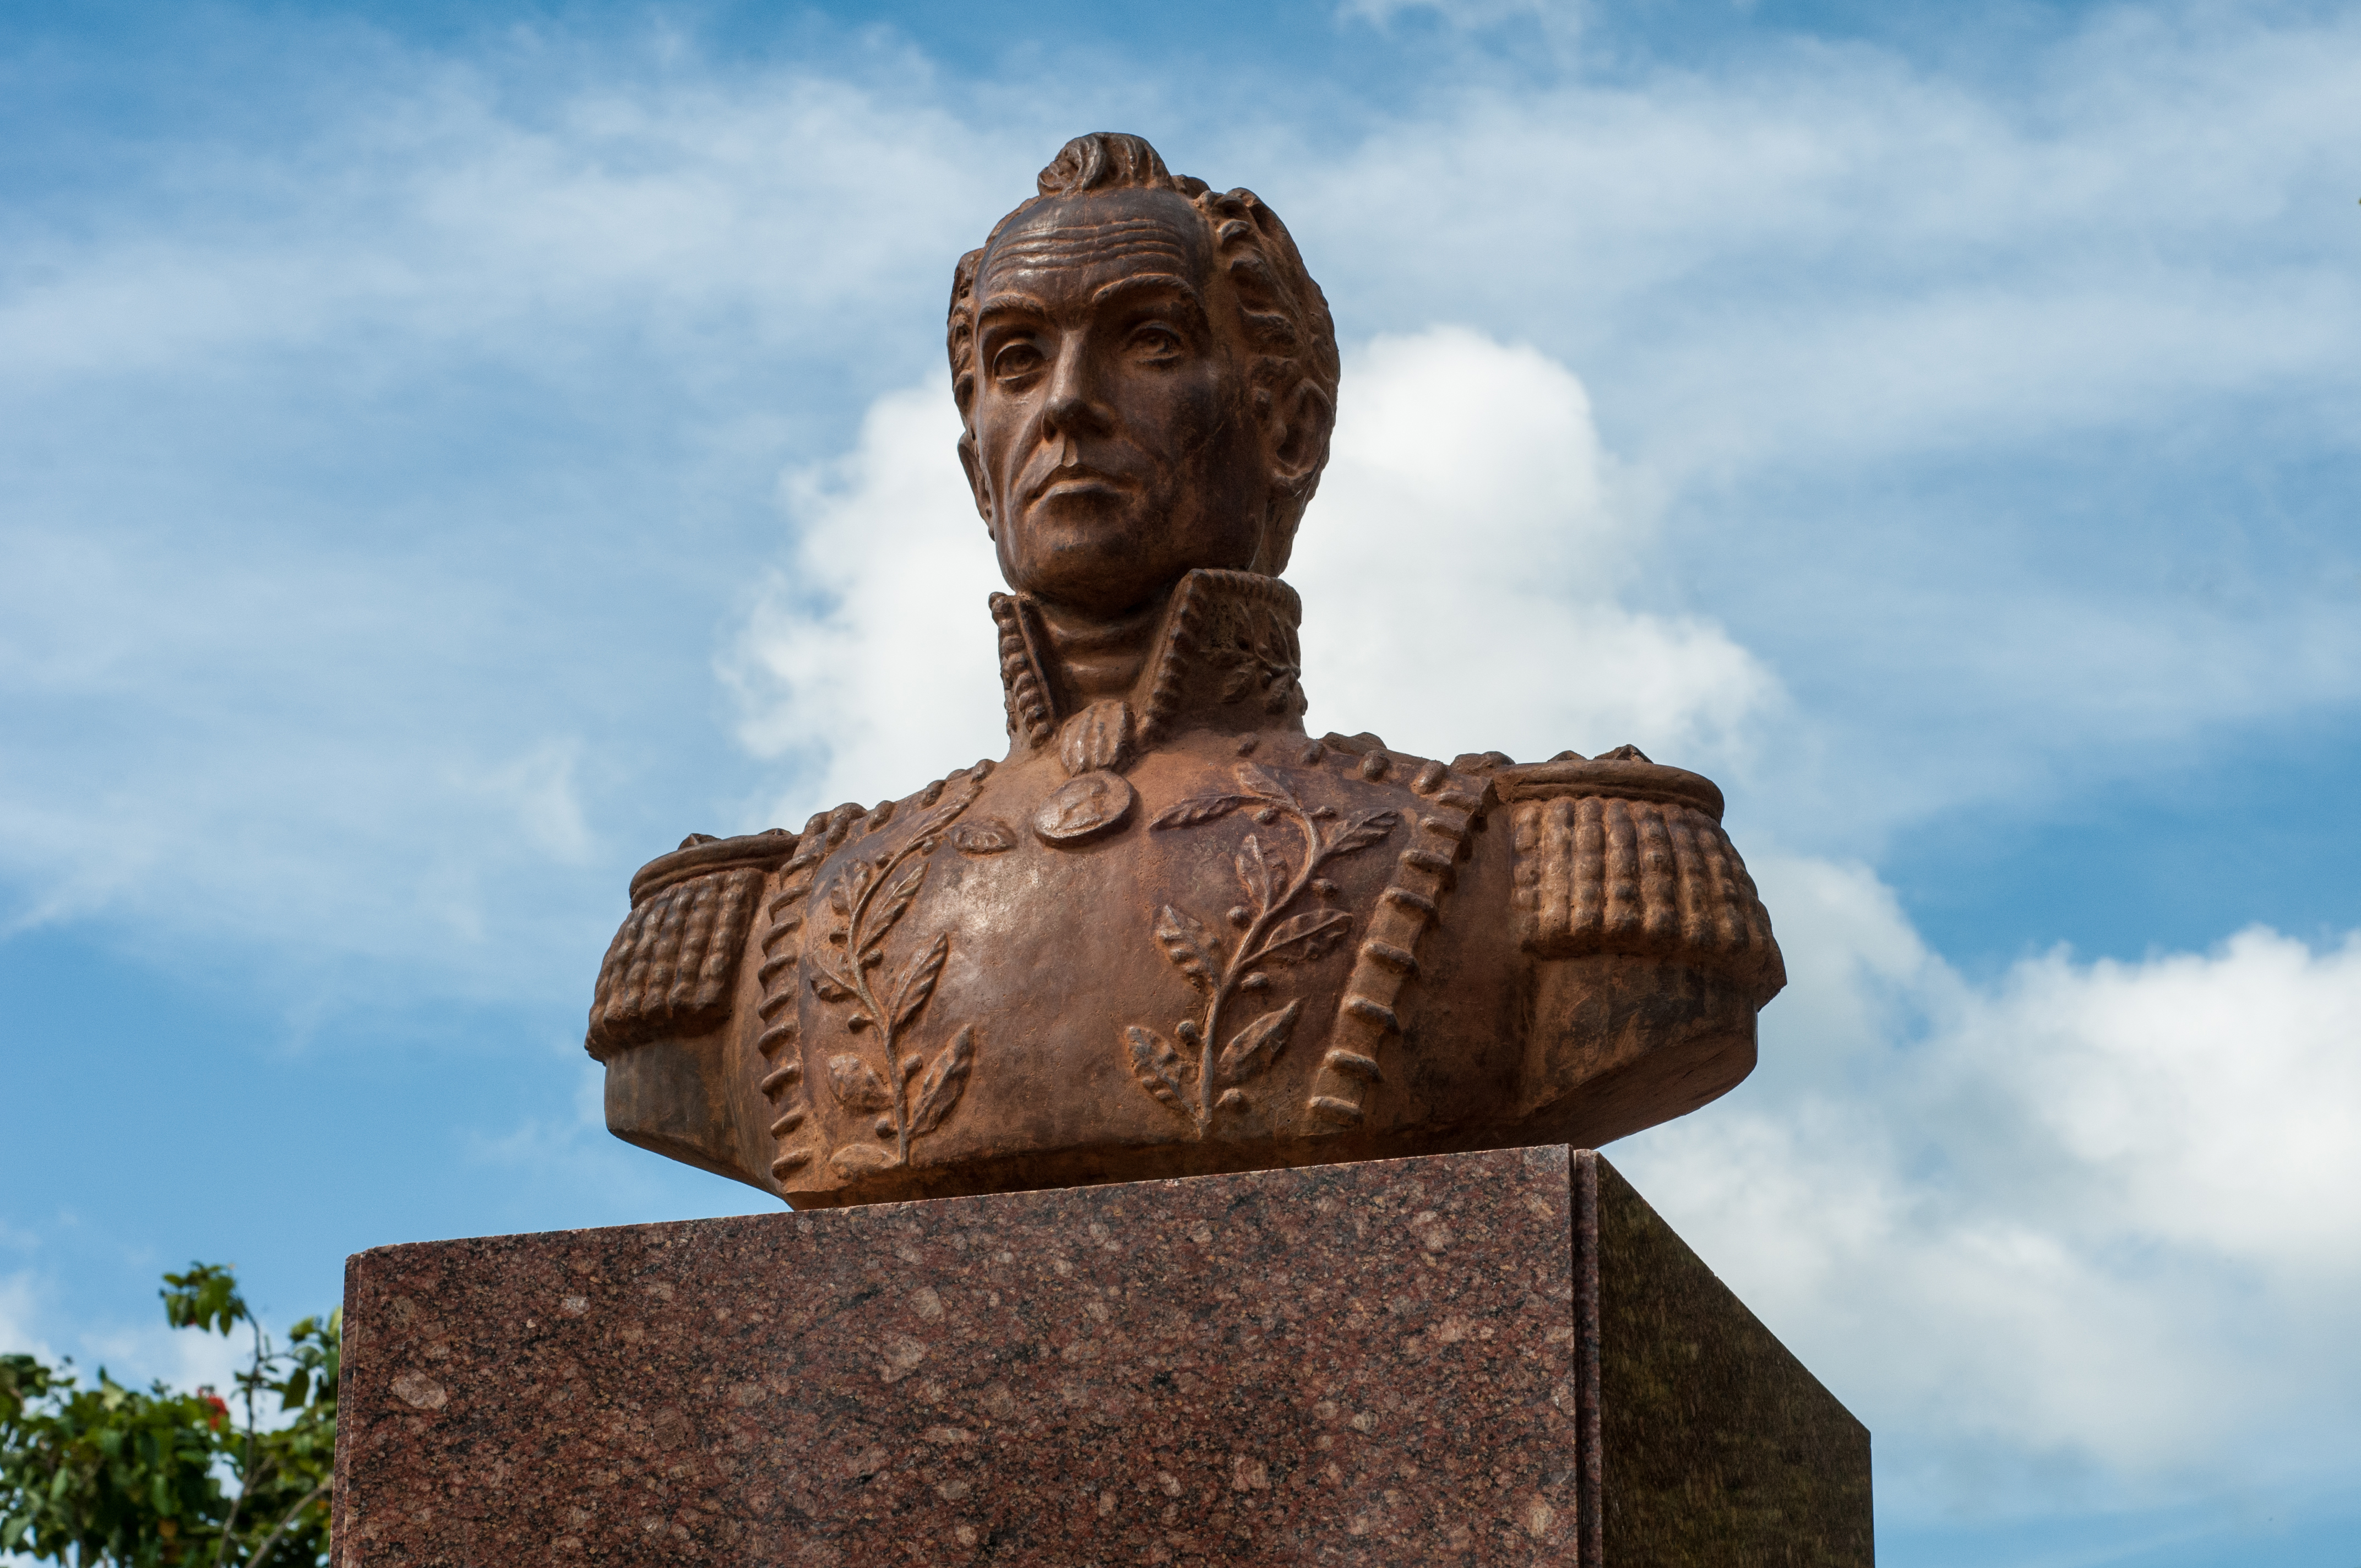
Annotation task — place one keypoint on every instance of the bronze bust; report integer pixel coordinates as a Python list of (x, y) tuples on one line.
[(1170, 933)]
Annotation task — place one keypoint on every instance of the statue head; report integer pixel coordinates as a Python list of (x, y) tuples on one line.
[(1147, 377)]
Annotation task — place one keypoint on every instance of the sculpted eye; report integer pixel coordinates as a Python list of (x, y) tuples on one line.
[(1015, 360), (1156, 343)]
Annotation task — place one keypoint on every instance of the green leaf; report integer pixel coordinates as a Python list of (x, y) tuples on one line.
[(205, 1297)]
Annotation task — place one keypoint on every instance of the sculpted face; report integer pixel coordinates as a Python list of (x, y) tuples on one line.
[(1114, 447)]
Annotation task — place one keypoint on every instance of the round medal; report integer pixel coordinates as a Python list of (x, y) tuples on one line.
[(1084, 808)]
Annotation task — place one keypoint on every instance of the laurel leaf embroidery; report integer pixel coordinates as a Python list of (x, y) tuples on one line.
[(1364, 832), (1305, 937), (1261, 782), (854, 1159), (945, 1081), (896, 902), (943, 814), (1161, 1070), (985, 836), (1192, 948), (856, 1085), (1254, 872), (1197, 809), (1258, 1045), (918, 981)]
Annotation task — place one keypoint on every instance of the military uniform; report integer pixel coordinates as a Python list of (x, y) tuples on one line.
[(1171, 934)]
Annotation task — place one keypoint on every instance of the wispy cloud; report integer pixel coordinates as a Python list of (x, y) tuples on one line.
[(326, 470), (2063, 1239), (853, 660)]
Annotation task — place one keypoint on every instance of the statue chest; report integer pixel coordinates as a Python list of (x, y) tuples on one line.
[(1208, 954)]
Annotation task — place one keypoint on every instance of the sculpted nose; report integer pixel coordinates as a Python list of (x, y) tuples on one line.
[(1073, 407)]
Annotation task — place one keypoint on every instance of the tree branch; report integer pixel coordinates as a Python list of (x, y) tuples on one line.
[(262, 1553)]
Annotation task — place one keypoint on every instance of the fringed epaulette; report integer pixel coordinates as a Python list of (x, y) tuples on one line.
[(670, 968), (1618, 854)]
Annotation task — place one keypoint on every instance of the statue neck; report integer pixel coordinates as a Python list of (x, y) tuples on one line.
[(1218, 654), (1088, 659)]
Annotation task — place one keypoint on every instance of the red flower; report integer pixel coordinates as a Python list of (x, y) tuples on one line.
[(221, 1408)]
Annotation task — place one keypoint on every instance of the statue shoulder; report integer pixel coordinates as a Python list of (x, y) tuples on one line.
[(1620, 854), (670, 968)]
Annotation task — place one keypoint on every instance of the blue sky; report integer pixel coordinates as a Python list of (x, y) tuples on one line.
[(446, 453)]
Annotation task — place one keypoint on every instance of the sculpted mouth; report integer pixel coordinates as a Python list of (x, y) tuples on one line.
[(1079, 482)]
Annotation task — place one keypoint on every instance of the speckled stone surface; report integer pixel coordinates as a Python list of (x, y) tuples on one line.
[(1387, 1363), (1717, 1446)]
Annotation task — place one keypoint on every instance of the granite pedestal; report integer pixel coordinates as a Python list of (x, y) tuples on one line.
[(1470, 1359)]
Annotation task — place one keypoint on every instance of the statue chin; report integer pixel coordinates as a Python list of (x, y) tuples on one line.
[(1107, 573)]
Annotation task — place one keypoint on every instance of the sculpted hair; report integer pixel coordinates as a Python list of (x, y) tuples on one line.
[(1294, 373)]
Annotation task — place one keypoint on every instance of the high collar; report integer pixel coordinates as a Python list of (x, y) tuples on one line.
[(1222, 657)]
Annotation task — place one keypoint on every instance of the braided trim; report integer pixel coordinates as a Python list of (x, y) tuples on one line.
[(1450, 806), (783, 1081), (1028, 698)]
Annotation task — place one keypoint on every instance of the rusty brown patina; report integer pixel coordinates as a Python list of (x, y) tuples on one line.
[(1170, 933)]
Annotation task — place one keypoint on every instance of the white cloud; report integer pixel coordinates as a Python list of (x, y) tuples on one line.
[(2214, 1100), (180, 1358), (445, 215), (21, 1317), (871, 653), (133, 1356), (539, 787), (2082, 1234), (1828, 253), (1466, 562)]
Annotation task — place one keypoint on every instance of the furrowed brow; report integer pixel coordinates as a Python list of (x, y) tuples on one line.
[(1009, 304), (1150, 285)]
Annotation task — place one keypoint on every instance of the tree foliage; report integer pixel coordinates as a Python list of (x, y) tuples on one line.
[(110, 1475)]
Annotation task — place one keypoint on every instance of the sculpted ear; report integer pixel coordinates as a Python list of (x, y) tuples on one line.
[(1300, 423), (975, 482), (1299, 439)]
